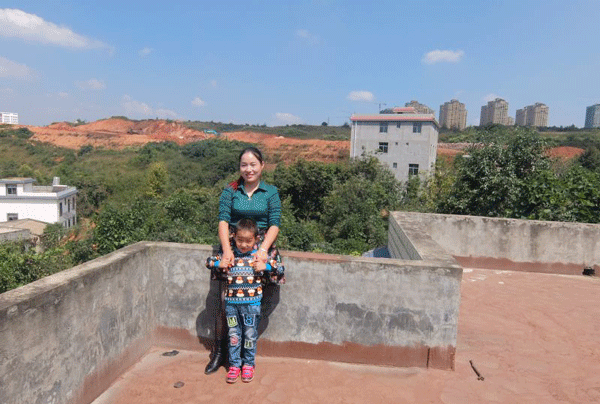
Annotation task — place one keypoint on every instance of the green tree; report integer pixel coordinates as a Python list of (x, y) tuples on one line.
[(590, 159), (182, 206), (219, 158), (53, 233), (26, 171), (156, 182), (491, 180), (118, 227), (20, 264), (307, 183), (355, 212)]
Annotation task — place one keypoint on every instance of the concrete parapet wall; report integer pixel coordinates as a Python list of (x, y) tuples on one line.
[(10, 234), (530, 245), (56, 331), (65, 338)]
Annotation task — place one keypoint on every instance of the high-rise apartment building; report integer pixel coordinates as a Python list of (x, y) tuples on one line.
[(9, 117), (453, 115), (495, 112), (533, 115), (592, 116), (420, 108), (521, 117)]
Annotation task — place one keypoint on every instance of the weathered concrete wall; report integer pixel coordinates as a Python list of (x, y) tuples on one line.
[(91, 319), (512, 244), (328, 299), (66, 337)]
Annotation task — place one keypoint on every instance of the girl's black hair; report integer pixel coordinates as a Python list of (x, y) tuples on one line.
[(246, 224)]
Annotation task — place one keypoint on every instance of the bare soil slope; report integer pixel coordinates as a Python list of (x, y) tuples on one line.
[(117, 133), (290, 149)]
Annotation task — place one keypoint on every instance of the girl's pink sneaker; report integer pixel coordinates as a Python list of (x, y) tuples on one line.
[(233, 374), (247, 373)]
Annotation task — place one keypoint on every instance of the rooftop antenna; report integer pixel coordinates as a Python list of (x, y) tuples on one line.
[(380, 104)]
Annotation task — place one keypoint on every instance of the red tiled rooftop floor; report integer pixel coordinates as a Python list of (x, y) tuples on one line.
[(534, 337)]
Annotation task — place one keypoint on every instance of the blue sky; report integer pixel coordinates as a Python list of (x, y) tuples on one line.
[(286, 62)]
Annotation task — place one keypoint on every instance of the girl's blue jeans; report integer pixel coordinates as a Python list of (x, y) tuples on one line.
[(242, 321)]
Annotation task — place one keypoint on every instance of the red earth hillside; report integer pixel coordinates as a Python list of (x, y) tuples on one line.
[(118, 133), (115, 133)]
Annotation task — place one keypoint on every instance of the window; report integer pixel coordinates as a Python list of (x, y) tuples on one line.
[(413, 169), (383, 127), (417, 127), (12, 216), (395, 165), (398, 124), (69, 205), (11, 189), (383, 147), (60, 209)]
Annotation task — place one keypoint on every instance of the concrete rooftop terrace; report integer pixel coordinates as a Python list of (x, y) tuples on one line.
[(69, 337), (532, 336)]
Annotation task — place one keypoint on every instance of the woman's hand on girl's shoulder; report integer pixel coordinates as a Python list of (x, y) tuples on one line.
[(261, 255)]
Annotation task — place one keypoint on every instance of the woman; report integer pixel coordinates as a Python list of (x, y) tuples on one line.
[(248, 197)]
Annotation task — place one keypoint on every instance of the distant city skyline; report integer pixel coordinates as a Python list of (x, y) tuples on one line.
[(307, 61)]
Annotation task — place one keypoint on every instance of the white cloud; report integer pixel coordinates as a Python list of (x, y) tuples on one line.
[(307, 36), (63, 95), (213, 83), (365, 96), (437, 56), (136, 108), (165, 113), (285, 118), (91, 84), (145, 52), (490, 97), (8, 68), (19, 24), (6, 91), (198, 102)]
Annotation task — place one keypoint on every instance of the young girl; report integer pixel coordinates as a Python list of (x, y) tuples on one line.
[(242, 298)]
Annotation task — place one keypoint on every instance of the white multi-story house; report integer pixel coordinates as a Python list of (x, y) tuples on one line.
[(9, 117), (400, 138), (20, 199)]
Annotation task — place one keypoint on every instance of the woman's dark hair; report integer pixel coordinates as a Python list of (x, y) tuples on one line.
[(252, 150), (246, 224), (256, 153)]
